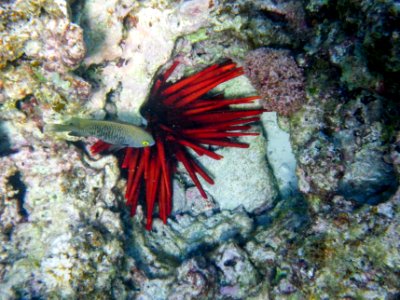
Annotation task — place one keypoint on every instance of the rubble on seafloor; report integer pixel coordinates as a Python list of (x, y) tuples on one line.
[(310, 210)]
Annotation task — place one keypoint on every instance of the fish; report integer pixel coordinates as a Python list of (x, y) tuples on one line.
[(119, 134)]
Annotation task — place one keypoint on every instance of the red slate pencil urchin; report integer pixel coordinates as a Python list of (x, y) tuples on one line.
[(181, 117)]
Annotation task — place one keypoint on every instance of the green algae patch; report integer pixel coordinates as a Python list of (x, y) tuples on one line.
[(198, 36)]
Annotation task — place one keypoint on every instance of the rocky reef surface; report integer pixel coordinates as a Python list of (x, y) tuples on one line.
[(310, 211)]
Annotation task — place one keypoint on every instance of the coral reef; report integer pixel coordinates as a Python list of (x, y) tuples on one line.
[(343, 138), (278, 79), (57, 221), (129, 42), (59, 45), (64, 228), (39, 48), (342, 253), (237, 273)]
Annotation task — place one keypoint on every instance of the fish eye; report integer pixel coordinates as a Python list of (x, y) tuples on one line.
[(145, 143)]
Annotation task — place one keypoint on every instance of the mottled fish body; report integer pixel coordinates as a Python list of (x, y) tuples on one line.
[(116, 133)]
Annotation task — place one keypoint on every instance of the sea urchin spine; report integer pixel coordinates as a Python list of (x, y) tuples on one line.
[(180, 117)]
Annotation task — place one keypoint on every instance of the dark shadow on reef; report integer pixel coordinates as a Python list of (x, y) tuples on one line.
[(94, 37), (18, 185), (5, 146)]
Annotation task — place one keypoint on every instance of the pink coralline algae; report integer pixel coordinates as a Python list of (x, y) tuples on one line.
[(278, 79)]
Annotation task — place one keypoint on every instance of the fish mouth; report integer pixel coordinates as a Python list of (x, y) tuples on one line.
[(151, 143)]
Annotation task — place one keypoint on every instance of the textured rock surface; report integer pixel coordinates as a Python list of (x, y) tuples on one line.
[(278, 79), (131, 42), (341, 143), (235, 183), (64, 230), (280, 156), (237, 273), (58, 226)]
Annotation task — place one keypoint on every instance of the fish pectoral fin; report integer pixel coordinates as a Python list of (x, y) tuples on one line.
[(75, 133), (116, 147)]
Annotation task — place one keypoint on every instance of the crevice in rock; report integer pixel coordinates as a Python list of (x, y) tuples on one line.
[(19, 186)]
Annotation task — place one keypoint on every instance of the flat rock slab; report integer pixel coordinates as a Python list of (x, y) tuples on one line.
[(242, 178)]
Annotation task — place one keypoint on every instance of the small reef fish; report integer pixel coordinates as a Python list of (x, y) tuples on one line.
[(119, 134)]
